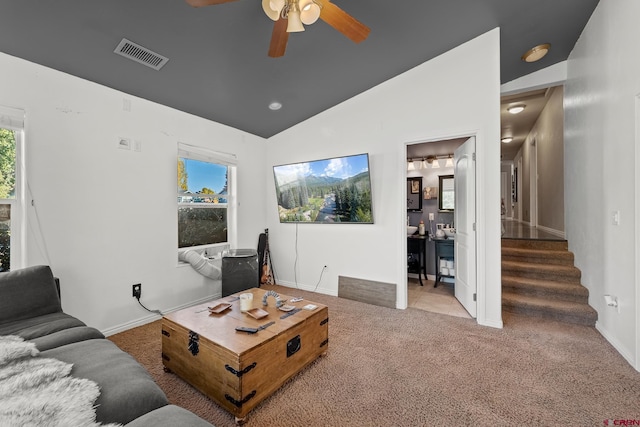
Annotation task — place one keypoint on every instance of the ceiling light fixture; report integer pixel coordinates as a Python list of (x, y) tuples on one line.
[(507, 139), (275, 106), (536, 53), (516, 109), (297, 12)]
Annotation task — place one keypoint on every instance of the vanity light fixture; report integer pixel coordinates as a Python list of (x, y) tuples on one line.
[(516, 109), (449, 162), (536, 53), (410, 166), (507, 139)]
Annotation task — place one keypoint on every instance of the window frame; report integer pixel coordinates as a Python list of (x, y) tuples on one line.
[(14, 119), (202, 154)]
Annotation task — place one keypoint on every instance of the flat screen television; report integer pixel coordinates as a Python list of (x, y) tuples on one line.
[(328, 191)]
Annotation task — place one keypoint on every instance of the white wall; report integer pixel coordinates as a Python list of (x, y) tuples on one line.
[(456, 94), (601, 177), (548, 134), (108, 216)]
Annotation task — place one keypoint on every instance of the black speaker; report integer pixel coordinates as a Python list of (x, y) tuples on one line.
[(239, 271)]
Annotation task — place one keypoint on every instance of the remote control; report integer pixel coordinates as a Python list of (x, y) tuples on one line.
[(296, 299), (245, 329)]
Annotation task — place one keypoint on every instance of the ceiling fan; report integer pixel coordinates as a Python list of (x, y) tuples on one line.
[(290, 15)]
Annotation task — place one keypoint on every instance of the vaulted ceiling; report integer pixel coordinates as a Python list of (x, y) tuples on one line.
[(218, 66)]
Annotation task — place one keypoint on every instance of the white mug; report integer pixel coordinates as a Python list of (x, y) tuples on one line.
[(246, 302)]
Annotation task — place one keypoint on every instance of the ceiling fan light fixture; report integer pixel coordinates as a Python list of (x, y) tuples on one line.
[(536, 53), (273, 8), (309, 11), (295, 24)]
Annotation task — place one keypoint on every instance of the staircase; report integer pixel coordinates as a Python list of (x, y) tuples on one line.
[(540, 280)]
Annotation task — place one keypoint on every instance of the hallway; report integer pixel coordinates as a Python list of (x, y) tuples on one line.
[(518, 230)]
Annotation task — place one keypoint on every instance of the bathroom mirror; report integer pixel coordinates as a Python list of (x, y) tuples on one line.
[(446, 194), (414, 194)]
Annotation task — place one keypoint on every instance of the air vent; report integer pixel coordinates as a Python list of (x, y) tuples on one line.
[(140, 54)]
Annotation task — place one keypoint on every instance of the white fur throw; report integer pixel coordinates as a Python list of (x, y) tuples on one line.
[(35, 391)]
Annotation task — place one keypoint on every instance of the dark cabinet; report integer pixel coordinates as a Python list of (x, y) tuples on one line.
[(444, 251), (417, 256)]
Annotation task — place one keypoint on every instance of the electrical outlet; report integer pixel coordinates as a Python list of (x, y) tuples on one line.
[(137, 290), (430, 216)]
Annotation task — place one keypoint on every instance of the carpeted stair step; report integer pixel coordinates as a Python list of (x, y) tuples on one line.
[(553, 272), (565, 291), (565, 311), (539, 256)]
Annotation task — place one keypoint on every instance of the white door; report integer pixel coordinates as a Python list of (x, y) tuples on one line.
[(465, 218)]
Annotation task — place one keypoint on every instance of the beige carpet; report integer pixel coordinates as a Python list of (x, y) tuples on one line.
[(389, 367)]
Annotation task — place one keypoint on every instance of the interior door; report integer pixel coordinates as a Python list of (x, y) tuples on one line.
[(465, 218)]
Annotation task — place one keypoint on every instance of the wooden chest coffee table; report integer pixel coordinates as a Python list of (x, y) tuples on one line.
[(238, 369)]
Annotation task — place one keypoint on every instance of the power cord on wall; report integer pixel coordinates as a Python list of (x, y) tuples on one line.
[(295, 262), (320, 279), (151, 311), (295, 266)]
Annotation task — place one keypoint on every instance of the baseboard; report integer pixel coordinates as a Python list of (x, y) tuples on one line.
[(558, 233), (302, 287), (153, 317), (617, 345)]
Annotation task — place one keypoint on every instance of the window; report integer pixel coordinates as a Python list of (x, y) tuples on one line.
[(11, 231), (205, 198)]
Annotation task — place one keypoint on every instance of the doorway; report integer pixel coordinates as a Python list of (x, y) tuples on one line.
[(426, 162)]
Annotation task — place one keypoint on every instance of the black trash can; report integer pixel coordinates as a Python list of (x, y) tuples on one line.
[(240, 271)]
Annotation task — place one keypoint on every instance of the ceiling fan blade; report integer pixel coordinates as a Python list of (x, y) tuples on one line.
[(343, 22), (279, 38), (200, 3)]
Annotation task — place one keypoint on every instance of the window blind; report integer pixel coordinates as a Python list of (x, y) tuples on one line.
[(206, 155), (11, 118)]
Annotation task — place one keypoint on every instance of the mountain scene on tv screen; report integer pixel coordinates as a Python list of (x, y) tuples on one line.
[(326, 191)]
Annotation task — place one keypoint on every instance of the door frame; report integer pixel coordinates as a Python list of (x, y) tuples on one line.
[(637, 236), (402, 288), (533, 184)]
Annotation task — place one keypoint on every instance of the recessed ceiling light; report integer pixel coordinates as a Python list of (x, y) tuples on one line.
[(507, 139), (275, 105), (516, 109), (536, 53)]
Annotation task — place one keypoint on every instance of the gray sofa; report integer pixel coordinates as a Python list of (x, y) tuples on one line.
[(30, 308)]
